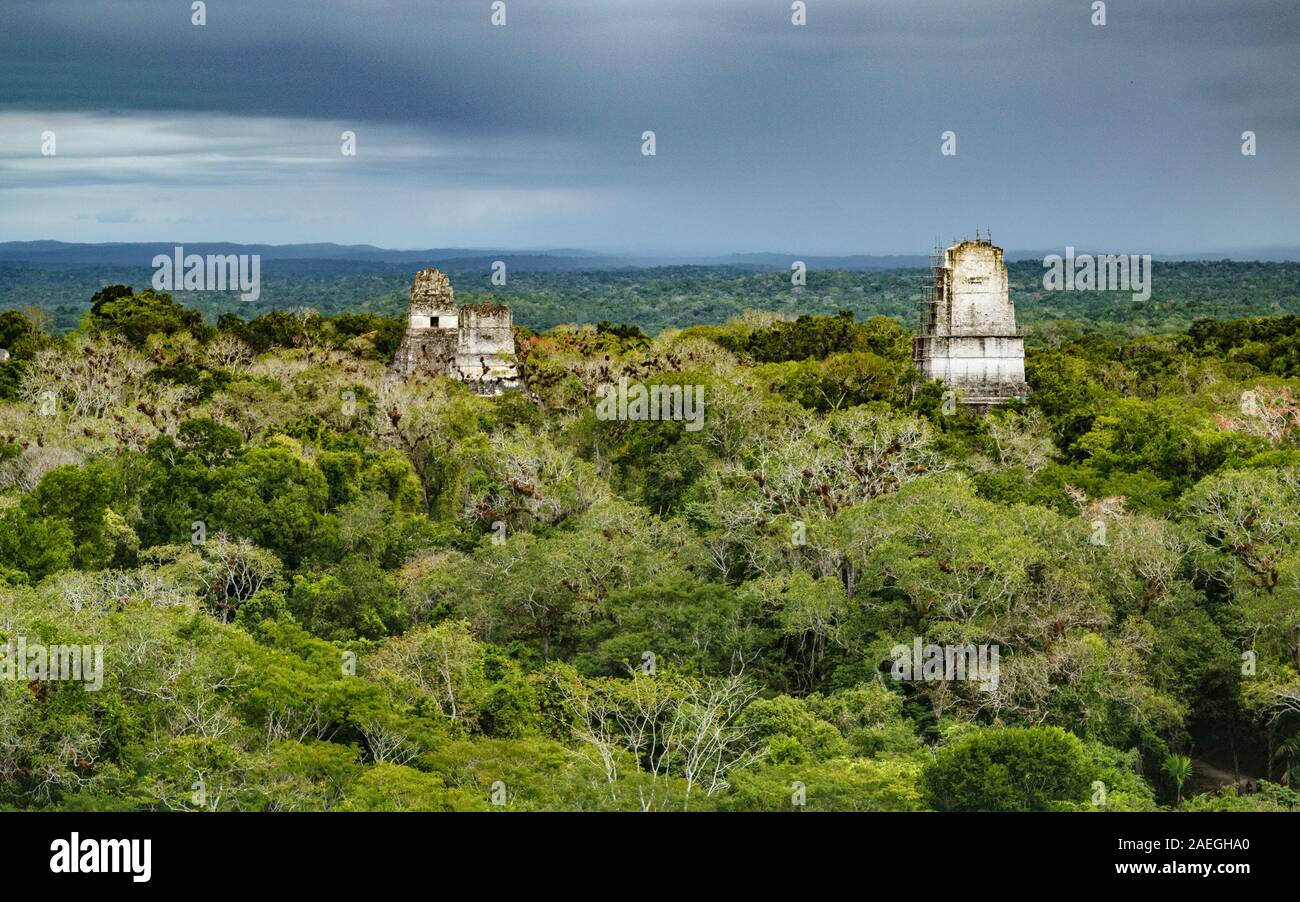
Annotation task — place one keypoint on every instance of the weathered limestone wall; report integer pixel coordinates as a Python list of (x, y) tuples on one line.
[(432, 301), (989, 359), (486, 346), (980, 301), (434, 351), (486, 329)]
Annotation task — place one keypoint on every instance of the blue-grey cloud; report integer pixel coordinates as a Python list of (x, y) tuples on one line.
[(820, 138)]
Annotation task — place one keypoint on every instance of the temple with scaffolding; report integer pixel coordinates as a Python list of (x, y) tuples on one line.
[(968, 336)]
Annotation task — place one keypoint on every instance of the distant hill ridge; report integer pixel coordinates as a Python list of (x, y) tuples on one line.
[(141, 253)]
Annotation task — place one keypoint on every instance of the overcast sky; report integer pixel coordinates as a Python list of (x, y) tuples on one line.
[(817, 139)]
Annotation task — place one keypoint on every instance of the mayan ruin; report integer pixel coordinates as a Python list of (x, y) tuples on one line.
[(474, 344), (968, 336)]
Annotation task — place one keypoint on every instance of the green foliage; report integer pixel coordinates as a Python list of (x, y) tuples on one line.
[(1013, 769), (656, 298), (841, 380), (117, 310), (808, 337), (321, 589), (1178, 769), (355, 600), (840, 784)]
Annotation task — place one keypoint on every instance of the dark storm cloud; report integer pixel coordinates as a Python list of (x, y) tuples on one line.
[(560, 65), (770, 137)]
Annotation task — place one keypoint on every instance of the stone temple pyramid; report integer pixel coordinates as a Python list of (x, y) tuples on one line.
[(968, 335), (474, 343)]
